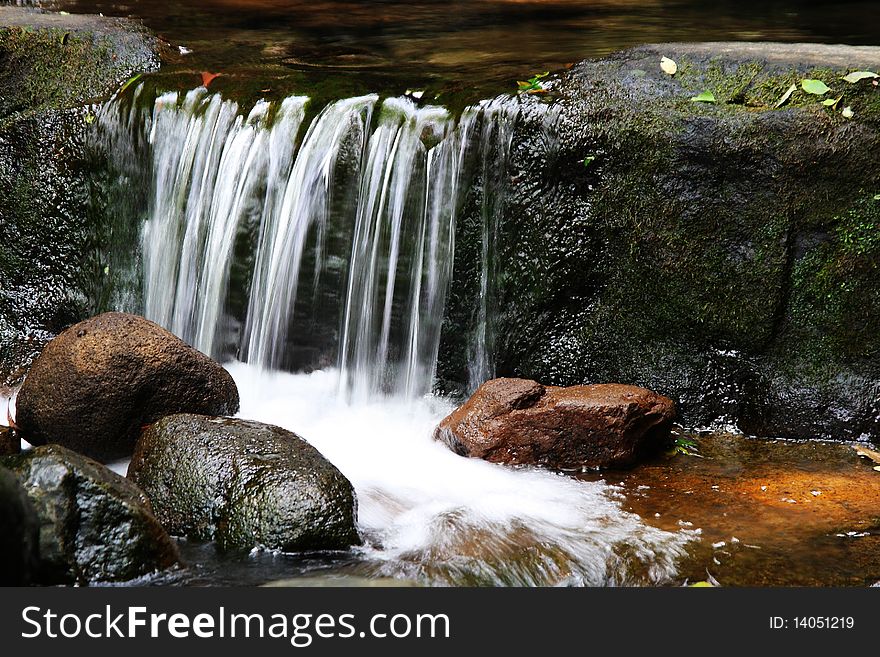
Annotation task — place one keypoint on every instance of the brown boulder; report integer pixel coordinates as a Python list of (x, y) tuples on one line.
[(99, 382), (519, 421)]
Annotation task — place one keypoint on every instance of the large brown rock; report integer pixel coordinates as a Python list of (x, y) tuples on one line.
[(99, 382), (519, 421)]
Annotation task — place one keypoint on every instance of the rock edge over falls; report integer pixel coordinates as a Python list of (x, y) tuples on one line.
[(725, 255)]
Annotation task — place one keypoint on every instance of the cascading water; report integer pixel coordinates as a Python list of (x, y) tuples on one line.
[(355, 223)]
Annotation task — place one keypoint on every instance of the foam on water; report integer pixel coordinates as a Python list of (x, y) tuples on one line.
[(430, 514)]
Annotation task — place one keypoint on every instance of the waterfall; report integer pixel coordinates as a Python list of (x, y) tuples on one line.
[(209, 167), (402, 249), (496, 137), (349, 232), (284, 231)]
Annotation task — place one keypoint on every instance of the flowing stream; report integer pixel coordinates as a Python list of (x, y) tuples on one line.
[(341, 224)]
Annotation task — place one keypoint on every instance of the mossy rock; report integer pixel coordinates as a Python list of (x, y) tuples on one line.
[(94, 525), (723, 254), (53, 69), (244, 485)]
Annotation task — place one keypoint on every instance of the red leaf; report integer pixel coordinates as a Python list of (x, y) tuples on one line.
[(207, 78)]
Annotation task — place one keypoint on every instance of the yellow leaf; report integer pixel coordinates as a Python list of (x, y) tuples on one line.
[(668, 66)]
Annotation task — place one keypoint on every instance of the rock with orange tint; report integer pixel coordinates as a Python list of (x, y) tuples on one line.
[(519, 421)]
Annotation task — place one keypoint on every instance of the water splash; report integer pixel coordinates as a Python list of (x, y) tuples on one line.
[(432, 515)]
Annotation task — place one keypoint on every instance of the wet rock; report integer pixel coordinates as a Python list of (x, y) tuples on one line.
[(9, 442), (718, 253), (243, 484), (19, 535), (52, 237), (99, 382), (519, 421), (95, 526)]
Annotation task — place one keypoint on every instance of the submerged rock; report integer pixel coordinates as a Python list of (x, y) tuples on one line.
[(243, 484), (519, 421), (97, 384), (723, 254), (19, 532), (9, 442), (95, 526)]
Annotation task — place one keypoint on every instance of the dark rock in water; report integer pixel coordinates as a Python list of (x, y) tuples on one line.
[(9, 442), (97, 384), (723, 254), (19, 532), (243, 484), (53, 246), (95, 526), (519, 421)]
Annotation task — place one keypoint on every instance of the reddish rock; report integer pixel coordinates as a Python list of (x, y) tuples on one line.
[(518, 421)]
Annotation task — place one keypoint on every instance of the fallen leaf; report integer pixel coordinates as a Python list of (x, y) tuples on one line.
[(786, 95), (816, 87), (705, 97), (831, 102), (668, 66), (131, 81), (855, 76), (847, 112), (589, 159), (207, 78)]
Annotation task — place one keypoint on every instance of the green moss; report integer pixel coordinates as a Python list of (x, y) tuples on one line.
[(835, 288)]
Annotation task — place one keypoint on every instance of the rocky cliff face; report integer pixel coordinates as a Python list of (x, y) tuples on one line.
[(53, 68), (724, 254)]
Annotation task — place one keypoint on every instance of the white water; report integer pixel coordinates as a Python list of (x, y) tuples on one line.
[(381, 200), (430, 514)]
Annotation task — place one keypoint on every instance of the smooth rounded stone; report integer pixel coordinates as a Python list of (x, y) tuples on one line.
[(95, 526), (243, 484), (9, 442), (519, 421), (99, 382), (19, 532)]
